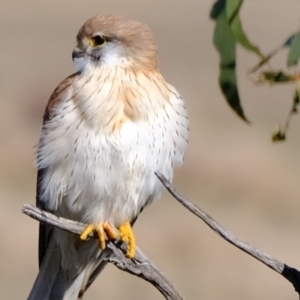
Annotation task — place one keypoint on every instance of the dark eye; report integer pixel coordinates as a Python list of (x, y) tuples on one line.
[(98, 40)]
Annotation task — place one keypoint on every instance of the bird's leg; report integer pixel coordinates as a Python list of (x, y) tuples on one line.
[(126, 235), (104, 231)]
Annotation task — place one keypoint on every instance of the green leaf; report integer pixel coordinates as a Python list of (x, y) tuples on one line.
[(217, 9), (294, 53), (232, 9), (225, 43), (232, 13), (288, 41), (276, 77), (227, 81)]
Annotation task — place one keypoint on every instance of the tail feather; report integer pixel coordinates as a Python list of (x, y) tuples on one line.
[(59, 287), (48, 273), (54, 283)]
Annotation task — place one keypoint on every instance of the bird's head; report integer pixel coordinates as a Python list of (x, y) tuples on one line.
[(114, 40)]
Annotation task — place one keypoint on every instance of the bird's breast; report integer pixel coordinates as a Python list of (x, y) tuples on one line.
[(114, 96), (102, 148)]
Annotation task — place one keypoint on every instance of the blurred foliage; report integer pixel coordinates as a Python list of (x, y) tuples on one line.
[(228, 33)]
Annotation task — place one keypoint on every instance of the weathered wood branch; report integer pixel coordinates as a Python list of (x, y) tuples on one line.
[(291, 274), (140, 266)]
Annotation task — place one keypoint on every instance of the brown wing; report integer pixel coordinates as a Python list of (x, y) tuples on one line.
[(45, 231)]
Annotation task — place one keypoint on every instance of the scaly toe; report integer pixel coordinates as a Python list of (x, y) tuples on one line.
[(87, 231), (104, 230), (126, 235), (110, 231), (101, 236)]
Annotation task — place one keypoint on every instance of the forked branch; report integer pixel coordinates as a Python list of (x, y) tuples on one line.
[(142, 267)]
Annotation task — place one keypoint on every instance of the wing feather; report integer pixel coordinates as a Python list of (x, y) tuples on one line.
[(45, 231)]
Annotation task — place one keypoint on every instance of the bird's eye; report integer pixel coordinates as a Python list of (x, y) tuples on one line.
[(97, 40)]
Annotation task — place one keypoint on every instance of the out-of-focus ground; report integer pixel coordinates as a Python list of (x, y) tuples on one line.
[(232, 170)]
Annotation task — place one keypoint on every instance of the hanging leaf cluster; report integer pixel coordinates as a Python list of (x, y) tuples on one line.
[(228, 34)]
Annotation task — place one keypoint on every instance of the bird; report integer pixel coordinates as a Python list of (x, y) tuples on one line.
[(106, 130)]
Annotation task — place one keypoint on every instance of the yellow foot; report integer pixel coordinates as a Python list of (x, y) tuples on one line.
[(126, 235), (104, 230)]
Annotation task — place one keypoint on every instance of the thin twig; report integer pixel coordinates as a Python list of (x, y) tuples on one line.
[(140, 266), (291, 274)]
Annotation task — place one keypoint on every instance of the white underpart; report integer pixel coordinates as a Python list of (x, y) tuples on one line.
[(94, 174)]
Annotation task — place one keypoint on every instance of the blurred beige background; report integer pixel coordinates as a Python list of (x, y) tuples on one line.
[(232, 170)]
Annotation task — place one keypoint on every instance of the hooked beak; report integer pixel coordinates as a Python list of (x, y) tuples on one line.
[(77, 53)]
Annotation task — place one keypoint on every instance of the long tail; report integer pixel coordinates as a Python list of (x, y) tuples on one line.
[(53, 283), (49, 277)]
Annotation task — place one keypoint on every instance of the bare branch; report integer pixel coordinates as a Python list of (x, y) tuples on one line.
[(291, 274), (140, 266)]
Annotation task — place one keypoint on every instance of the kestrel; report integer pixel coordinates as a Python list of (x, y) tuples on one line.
[(107, 129)]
